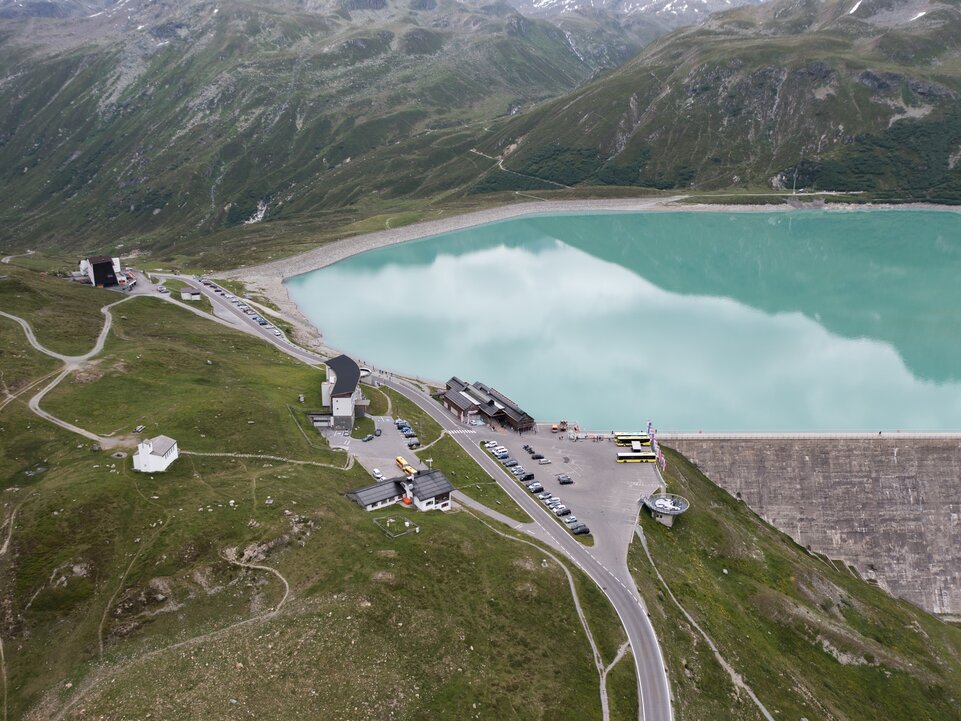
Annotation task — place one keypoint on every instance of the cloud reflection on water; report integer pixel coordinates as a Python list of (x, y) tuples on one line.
[(569, 335)]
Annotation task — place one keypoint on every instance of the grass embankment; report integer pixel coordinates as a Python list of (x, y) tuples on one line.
[(622, 688), (470, 479), (427, 429), (378, 401), (427, 625), (65, 315), (811, 641), (211, 388), (362, 427)]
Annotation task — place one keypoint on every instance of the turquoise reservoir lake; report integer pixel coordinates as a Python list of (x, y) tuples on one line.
[(784, 321)]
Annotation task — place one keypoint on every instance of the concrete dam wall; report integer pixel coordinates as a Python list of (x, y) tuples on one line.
[(889, 507)]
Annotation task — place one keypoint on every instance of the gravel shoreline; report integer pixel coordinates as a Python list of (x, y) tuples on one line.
[(268, 279)]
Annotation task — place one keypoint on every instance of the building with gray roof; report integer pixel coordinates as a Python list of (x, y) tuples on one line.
[(425, 490), (478, 400)]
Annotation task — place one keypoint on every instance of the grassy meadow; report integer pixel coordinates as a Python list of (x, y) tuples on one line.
[(120, 602)]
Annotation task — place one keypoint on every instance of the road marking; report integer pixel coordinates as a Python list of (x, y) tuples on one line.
[(462, 431)]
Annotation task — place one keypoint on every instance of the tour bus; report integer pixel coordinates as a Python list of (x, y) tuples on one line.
[(626, 439), (636, 457)]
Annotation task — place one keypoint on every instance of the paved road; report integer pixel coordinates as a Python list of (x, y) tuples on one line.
[(224, 308), (653, 688)]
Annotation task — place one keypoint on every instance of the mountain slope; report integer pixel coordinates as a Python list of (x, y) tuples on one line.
[(181, 118), (838, 96)]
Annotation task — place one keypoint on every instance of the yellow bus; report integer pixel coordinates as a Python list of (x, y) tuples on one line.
[(636, 457), (402, 462), (626, 439)]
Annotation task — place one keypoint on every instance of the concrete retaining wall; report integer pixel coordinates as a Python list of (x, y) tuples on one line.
[(890, 508)]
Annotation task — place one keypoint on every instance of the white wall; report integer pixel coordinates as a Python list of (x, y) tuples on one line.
[(343, 407)]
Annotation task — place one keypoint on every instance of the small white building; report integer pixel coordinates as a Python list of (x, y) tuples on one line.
[(189, 294), (155, 454)]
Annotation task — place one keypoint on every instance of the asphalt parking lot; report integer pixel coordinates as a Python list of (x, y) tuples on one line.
[(605, 494), (381, 451)]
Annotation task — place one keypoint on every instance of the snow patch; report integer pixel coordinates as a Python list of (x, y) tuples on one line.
[(259, 215), (855, 8), (918, 16)]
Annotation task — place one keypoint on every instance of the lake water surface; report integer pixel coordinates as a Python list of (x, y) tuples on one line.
[(786, 321)]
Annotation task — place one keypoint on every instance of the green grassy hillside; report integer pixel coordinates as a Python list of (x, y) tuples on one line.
[(785, 94), (177, 120), (119, 597), (811, 639)]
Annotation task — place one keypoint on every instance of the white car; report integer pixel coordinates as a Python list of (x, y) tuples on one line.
[(570, 520), (277, 332), (377, 474)]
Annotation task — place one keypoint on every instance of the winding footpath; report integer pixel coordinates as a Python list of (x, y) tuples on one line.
[(70, 364)]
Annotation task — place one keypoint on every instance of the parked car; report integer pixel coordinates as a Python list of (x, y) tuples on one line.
[(378, 432), (566, 481), (562, 511), (580, 530), (510, 462), (368, 437), (535, 488), (527, 477), (139, 429), (544, 496), (377, 474), (537, 457), (477, 422), (543, 461), (501, 456), (570, 520), (400, 422), (413, 443), (490, 444)]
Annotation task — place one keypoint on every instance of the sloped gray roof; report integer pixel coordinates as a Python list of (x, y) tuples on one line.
[(162, 444), (430, 484), (377, 492)]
